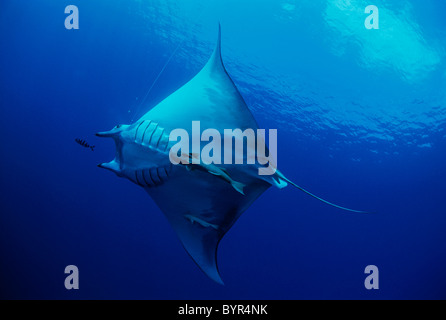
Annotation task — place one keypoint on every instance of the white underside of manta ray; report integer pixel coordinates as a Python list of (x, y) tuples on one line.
[(201, 205)]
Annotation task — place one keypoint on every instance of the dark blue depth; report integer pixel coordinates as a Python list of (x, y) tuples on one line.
[(361, 120)]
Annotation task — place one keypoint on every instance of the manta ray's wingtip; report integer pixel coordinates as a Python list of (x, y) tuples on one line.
[(210, 270), (217, 279), (216, 61), (218, 48)]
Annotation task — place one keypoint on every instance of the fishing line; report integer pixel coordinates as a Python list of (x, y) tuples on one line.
[(161, 72), (156, 80)]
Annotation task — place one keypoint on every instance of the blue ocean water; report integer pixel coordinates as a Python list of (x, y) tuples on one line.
[(361, 118)]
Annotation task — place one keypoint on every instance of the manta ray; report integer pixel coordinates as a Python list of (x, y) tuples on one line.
[(201, 205)]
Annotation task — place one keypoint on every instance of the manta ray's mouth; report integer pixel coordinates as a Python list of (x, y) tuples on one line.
[(141, 153)]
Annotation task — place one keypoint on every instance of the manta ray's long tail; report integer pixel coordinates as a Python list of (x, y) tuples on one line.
[(281, 176)]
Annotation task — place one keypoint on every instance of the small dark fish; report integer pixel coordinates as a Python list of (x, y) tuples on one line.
[(84, 143)]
